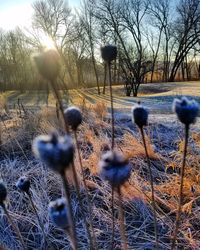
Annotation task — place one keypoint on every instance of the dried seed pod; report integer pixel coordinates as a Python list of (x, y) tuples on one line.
[(186, 110), (23, 184), (48, 64), (114, 168), (73, 117), (140, 115), (59, 213), (55, 151), (3, 192), (109, 53)]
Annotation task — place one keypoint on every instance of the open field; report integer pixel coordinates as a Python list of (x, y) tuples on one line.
[(158, 97), (165, 140)]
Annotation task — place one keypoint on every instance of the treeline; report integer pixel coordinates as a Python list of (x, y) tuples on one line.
[(157, 40)]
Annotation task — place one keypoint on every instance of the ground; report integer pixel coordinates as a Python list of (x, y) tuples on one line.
[(165, 140)]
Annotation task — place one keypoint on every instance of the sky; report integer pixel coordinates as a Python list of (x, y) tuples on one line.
[(18, 13)]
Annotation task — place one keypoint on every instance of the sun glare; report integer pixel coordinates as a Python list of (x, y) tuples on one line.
[(47, 42)]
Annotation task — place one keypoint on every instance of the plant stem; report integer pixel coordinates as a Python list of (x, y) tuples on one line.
[(15, 228), (181, 188), (104, 80), (36, 213), (80, 201), (113, 218), (122, 221), (71, 218), (65, 181), (1, 248), (93, 238), (69, 236), (152, 187), (112, 107), (58, 98), (57, 95)]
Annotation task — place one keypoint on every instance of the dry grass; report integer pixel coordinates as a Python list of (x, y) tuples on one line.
[(3, 103), (94, 138), (100, 109)]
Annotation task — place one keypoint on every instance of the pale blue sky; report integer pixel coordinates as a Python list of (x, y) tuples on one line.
[(18, 12)]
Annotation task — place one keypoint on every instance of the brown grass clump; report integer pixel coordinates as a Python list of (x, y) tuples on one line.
[(3, 104), (100, 109), (196, 138), (132, 147), (98, 143)]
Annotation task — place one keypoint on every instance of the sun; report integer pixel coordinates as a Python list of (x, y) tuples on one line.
[(47, 42)]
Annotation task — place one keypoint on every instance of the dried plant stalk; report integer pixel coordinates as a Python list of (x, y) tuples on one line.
[(15, 228), (178, 215), (122, 220), (152, 187), (111, 107), (93, 238), (72, 233)]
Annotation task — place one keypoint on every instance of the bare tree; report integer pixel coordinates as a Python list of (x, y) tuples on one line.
[(54, 18), (122, 20), (159, 12), (186, 32), (88, 24), (15, 62)]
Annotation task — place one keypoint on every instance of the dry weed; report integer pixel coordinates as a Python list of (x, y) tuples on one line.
[(100, 109), (94, 138)]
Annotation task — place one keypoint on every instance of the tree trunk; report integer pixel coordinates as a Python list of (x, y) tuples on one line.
[(95, 72)]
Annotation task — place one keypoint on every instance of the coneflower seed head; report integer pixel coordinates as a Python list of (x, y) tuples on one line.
[(114, 168), (109, 53), (140, 115), (55, 151), (58, 213), (186, 110), (73, 117), (48, 64), (23, 184)]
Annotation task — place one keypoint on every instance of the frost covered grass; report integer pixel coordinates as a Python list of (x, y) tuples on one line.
[(165, 146)]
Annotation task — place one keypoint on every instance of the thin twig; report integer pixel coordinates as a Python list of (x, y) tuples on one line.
[(104, 80), (94, 241), (36, 212), (152, 188), (113, 218), (69, 236), (38, 218), (181, 189), (71, 218), (112, 107), (58, 98), (80, 201), (122, 221), (15, 228)]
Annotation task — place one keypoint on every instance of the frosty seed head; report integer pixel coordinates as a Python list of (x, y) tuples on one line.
[(58, 213), (109, 53), (23, 184), (3, 192), (73, 117), (186, 110), (55, 151), (114, 168), (48, 64), (140, 115)]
